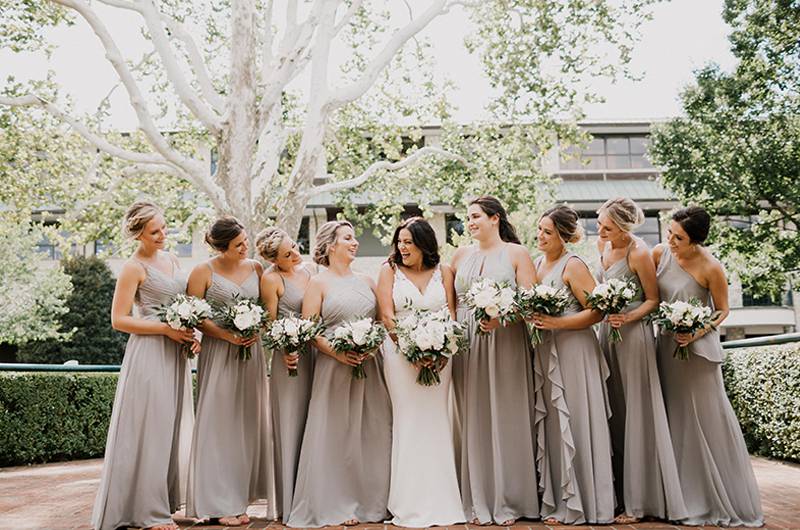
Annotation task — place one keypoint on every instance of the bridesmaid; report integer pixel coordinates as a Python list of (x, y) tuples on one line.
[(646, 477), (424, 483), (142, 482), (282, 290), (343, 474), (574, 446), (493, 382), (718, 483), (231, 460)]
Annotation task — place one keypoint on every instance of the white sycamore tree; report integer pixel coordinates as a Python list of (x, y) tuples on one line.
[(303, 97)]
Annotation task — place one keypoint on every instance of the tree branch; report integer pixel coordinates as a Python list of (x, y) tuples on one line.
[(114, 56), (348, 15), (97, 141), (383, 166), (350, 93)]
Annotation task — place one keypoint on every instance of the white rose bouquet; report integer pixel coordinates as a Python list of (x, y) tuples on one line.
[(544, 299), (684, 317), (431, 336), (185, 312), (363, 336), (610, 298), (246, 317), (292, 334), (489, 299)]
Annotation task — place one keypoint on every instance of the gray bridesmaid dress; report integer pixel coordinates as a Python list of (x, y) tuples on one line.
[(572, 435), (231, 460), (646, 477), (719, 487), (289, 397), (147, 449), (494, 395), (345, 459)]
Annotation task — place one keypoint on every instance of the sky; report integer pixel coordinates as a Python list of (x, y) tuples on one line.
[(683, 36)]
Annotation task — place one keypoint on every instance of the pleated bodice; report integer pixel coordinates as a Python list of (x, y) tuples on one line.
[(348, 298), (157, 289), (555, 279)]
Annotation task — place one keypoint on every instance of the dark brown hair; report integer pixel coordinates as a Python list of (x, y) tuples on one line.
[(695, 221), (424, 238), (566, 221), (222, 232), (492, 207)]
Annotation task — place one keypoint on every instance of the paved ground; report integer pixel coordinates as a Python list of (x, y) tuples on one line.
[(60, 496)]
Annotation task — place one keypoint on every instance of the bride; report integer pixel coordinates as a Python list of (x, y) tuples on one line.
[(424, 487)]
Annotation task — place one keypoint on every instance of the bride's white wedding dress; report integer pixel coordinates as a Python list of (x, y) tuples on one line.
[(424, 487)]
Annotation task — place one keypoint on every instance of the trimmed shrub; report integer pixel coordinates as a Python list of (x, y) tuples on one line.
[(763, 385), (53, 417), (94, 341)]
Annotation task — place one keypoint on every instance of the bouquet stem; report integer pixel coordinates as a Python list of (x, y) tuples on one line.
[(682, 353), (428, 376), (536, 335), (359, 372), (245, 352), (615, 336)]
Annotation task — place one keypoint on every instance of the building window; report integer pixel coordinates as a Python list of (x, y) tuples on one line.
[(303, 237), (608, 152)]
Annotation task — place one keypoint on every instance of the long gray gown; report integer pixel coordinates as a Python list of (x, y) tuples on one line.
[(494, 391), (716, 477), (646, 477), (345, 459), (147, 449), (289, 397), (572, 435), (231, 460)]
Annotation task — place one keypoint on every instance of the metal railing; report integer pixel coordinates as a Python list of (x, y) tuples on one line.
[(770, 340)]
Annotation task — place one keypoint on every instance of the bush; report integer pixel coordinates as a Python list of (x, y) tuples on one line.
[(763, 385), (94, 340), (52, 417)]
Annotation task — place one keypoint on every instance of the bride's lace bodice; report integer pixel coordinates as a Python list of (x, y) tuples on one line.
[(406, 296)]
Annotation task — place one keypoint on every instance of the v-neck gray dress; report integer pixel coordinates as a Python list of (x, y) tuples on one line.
[(346, 456), (232, 460), (645, 474), (716, 477), (494, 391), (147, 449), (573, 440), (289, 397)]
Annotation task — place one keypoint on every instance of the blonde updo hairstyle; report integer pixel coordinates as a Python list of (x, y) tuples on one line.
[(326, 238), (625, 213), (269, 240), (136, 218), (567, 223)]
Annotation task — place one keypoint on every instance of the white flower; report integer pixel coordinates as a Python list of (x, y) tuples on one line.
[(506, 297), (175, 324), (243, 321), (492, 310), (628, 293), (290, 327), (360, 330), (602, 289), (342, 332), (485, 298)]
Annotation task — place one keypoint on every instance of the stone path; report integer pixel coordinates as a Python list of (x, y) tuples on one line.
[(60, 497)]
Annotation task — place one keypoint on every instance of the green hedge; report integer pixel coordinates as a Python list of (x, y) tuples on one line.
[(763, 385), (53, 417)]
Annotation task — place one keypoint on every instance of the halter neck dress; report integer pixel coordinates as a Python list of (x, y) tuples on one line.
[(494, 391)]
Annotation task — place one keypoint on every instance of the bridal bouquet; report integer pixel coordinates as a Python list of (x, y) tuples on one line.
[(684, 317), (544, 299), (362, 336), (185, 312), (246, 317), (489, 299), (431, 336), (292, 334), (610, 298)]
